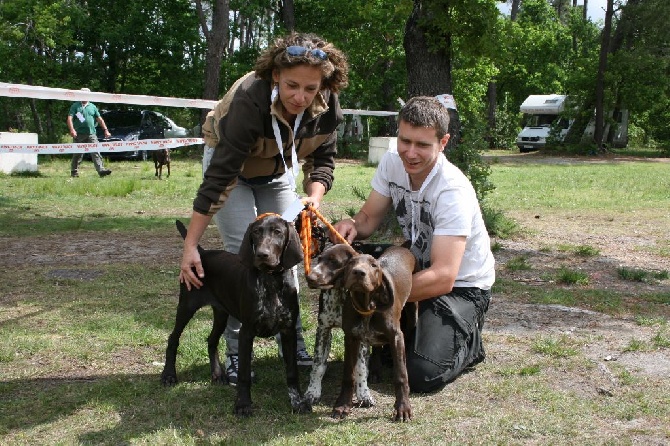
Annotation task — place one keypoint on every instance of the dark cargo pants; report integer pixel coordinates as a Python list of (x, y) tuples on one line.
[(447, 338)]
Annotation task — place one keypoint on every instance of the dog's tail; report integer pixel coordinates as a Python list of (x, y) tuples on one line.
[(182, 230)]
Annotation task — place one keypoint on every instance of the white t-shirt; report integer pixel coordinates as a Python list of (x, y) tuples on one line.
[(445, 205)]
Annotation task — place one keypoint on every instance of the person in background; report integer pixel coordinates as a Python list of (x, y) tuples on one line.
[(438, 211), (286, 110), (81, 121)]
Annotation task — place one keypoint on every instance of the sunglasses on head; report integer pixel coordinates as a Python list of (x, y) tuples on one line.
[(297, 51)]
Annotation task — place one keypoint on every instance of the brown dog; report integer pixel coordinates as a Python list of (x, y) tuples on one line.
[(161, 158), (378, 291)]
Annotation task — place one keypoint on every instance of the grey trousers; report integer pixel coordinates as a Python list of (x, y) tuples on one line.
[(246, 201), (447, 338), (95, 156)]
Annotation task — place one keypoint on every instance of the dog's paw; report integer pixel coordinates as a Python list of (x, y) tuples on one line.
[(302, 407), (168, 379), (310, 399), (243, 410), (365, 401), (403, 412), (341, 412)]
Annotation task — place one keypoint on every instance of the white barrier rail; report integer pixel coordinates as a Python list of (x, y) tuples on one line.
[(32, 91), (111, 146), (36, 92)]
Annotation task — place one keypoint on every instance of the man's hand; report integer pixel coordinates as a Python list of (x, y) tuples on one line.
[(347, 229)]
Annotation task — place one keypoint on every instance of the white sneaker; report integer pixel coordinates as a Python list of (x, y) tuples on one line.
[(232, 364)]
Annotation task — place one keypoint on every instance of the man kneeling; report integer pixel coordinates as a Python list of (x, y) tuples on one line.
[(438, 211)]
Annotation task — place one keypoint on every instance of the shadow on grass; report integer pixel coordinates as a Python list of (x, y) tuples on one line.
[(137, 406)]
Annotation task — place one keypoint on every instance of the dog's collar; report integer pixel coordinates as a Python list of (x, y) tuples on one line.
[(364, 313)]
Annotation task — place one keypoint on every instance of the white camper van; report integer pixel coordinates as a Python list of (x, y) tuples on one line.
[(541, 113)]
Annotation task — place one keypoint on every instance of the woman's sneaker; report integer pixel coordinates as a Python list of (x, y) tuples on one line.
[(232, 364), (301, 355)]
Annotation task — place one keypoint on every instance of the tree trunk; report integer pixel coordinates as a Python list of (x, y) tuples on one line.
[(428, 72), (600, 80), (288, 15), (492, 97), (515, 9), (217, 42), (585, 13)]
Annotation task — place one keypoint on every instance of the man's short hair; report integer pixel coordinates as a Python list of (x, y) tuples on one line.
[(426, 111)]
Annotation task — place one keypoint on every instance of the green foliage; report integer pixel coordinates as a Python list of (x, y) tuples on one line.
[(371, 35), (467, 157), (640, 275), (572, 277), (518, 263), (555, 348), (497, 223), (507, 125)]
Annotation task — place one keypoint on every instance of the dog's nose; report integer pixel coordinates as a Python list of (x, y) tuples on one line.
[(359, 272), (260, 255)]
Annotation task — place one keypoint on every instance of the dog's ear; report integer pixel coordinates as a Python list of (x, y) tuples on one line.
[(246, 249), (385, 295), (292, 254)]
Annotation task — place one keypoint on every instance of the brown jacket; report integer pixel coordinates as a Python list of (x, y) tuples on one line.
[(240, 128)]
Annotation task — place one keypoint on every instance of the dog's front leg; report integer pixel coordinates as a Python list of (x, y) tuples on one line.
[(345, 400), (403, 409), (363, 394), (289, 345), (243, 400), (323, 339)]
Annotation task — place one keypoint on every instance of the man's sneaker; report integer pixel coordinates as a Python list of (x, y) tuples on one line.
[(104, 173), (232, 364), (303, 357), (74, 175)]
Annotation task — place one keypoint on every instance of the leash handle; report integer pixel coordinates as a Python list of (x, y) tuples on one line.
[(306, 233), (332, 229)]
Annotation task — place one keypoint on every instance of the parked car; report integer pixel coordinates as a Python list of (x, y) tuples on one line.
[(132, 125)]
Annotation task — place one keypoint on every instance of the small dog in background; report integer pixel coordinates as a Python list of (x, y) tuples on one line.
[(161, 158)]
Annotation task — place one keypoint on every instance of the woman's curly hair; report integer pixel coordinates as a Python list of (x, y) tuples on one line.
[(334, 70)]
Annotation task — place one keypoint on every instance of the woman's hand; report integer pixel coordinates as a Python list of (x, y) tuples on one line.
[(313, 201), (190, 260)]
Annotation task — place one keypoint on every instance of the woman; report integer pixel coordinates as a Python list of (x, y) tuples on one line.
[(290, 100)]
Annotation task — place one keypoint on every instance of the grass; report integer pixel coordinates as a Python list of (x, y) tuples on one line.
[(81, 345), (569, 187)]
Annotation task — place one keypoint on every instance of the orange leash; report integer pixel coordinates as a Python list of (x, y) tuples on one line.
[(306, 233)]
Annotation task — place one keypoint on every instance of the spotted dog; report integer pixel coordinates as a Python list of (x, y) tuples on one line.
[(326, 275)]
